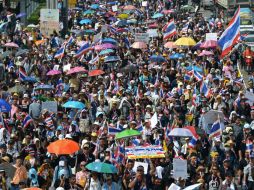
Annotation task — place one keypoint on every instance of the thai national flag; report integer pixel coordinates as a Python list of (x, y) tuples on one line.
[(204, 89), (70, 41), (49, 122), (193, 142), (94, 60), (185, 27), (231, 35), (197, 75), (120, 155), (22, 73), (60, 53), (136, 142), (249, 145), (215, 130), (126, 42), (27, 120), (112, 130), (169, 30), (112, 30), (83, 49)]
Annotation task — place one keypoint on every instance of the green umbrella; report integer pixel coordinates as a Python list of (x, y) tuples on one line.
[(127, 134), (101, 167)]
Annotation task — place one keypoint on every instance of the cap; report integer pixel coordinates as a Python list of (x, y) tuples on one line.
[(188, 87), (246, 126), (6, 159), (94, 134), (68, 136), (86, 145), (3, 146)]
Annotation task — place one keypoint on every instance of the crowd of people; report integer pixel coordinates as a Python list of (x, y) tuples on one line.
[(124, 84)]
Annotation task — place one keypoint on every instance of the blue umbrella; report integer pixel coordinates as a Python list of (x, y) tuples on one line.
[(74, 105), (114, 19), (109, 40), (176, 56), (44, 87), (95, 6), (85, 21), (111, 59), (106, 51), (121, 23), (157, 15), (157, 58), (101, 167), (88, 12), (30, 79), (4, 106), (195, 68), (113, 3)]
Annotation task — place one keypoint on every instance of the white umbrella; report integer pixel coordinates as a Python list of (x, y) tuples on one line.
[(192, 187), (180, 132)]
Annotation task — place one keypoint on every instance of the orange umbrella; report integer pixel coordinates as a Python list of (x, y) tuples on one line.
[(64, 146), (139, 45), (32, 188), (170, 45), (39, 42), (129, 7), (95, 72)]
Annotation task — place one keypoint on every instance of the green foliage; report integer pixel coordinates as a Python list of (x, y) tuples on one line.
[(34, 17)]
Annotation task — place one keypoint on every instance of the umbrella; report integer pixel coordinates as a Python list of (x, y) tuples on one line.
[(109, 40), (76, 70), (21, 52), (157, 15), (11, 44), (30, 79), (106, 51), (157, 58), (187, 7), (95, 72), (17, 88), (101, 167), (132, 21), (95, 6), (8, 168), (129, 7), (85, 21), (127, 134), (170, 45), (205, 53), (4, 106), (195, 68), (32, 188), (64, 146), (168, 11), (180, 132), (104, 46), (139, 45), (185, 41), (193, 187), (114, 19), (113, 3), (154, 25), (44, 87), (89, 12), (21, 15), (111, 59), (121, 23), (209, 44), (176, 56), (74, 105), (123, 16), (53, 72), (89, 32)]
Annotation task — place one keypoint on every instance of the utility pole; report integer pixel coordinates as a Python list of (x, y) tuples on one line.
[(64, 17)]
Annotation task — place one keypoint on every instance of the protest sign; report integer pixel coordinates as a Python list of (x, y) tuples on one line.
[(49, 21), (142, 37), (154, 120), (137, 164), (152, 151), (180, 168), (152, 33), (250, 97), (210, 117), (56, 67), (114, 8), (66, 67), (144, 3), (211, 36), (50, 106)]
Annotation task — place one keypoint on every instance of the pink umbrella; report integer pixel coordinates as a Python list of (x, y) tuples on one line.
[(139, 45), (205, 53), (170, 45), (209, 44), (53, 72), (104, 46), (129, 7), (76, 70), (168, 11), (11, 44)]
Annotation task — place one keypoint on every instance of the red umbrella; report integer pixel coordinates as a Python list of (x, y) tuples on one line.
[(53, 72), (139, 45), (11, 44), (95, 72), (209, 44), (76, 70), (170, 45)]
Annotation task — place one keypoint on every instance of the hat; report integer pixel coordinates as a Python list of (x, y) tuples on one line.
[(3, 146), (15, 94), (133, 122), (59, 128), (25, 96), (246, 126), (68, 136), (94, 134), (6, 159), (96, 123), (86, 145), (188, 87)]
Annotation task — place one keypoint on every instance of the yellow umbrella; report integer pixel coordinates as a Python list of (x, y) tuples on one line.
[(123, 16), (185, 41)]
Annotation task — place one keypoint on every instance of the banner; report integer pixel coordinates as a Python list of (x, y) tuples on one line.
[(50, 106), (211, 36), (180, 168), (49, 21), (142, 37), (152, 151), (152, 33)]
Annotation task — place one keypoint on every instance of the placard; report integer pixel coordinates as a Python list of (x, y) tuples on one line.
[(114, 8), (211, 36), (152, 151), (66, 67), (174, 187), (49, 21), (152, 33), (50, 106), (104, 28), (56, 67), (137, 164), (142, 37), (250, 97), (180, 168), (144, 3)]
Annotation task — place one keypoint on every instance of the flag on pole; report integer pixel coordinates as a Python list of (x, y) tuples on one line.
[(154, 120), (215, 130), (83, 49), (169, 30), (60, 53), (22, 73), (27, 120)]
